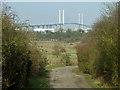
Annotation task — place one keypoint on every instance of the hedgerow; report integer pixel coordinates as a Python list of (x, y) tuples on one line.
[(102, 60), (18, 52)]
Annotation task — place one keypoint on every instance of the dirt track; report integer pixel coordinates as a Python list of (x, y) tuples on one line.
[(64, 78)]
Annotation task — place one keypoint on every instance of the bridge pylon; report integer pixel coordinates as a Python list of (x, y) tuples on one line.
[(61, 24)]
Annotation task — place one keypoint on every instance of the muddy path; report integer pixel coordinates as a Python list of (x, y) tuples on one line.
[(64, 78)]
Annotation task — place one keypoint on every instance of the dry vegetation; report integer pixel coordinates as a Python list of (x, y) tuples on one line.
[(97, 54), (52, 48)]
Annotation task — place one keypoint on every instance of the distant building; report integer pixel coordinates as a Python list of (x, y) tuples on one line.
[(44, 30), (17, 29), (87, 30), (75, 29)]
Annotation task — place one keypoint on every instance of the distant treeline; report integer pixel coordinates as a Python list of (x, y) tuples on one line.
[(98, 53), (69, 35)]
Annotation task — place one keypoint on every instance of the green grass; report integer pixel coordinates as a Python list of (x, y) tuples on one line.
[(39, 81), (52, 59), (0, 79), (90, 80), (43, 80), (50, 67), (54, 62)]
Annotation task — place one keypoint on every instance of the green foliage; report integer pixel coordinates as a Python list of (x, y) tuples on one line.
[(103, 59), (19, 53), (39, 60), (91, 81), (38, 82), (16, 61), (43, 80), (66, 59), (83, 53), (107, 65), (57, 49), (69, 36), (50, 67)]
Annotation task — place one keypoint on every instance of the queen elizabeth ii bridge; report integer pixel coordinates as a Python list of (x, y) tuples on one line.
[(57, 26)]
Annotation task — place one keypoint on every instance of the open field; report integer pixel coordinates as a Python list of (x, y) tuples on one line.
[(52, 59)]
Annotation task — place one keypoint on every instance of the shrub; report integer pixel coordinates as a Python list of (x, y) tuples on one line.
[(16, 61), (65, 58), (57, 49), (106, 30), (39, 60), (83, 54), (62, 49), (18, 53), (103, 60)]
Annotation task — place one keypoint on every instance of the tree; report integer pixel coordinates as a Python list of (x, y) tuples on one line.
[(16, 61)]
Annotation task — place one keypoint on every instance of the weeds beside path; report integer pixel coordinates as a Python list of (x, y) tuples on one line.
[(59, 76), (91, 81), (43, 80)]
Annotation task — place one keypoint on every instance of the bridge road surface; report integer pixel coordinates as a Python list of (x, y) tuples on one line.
[(64, 78)]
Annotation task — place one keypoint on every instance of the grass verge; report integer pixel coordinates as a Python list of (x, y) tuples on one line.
[(43, 80), (50, 67), (39, 81), (91, 81)]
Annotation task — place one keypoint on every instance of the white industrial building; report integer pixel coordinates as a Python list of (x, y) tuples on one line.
[(44, 30)]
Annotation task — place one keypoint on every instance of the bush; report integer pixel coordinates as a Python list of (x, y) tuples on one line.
[(16, 61), (106, 30), (57, 49), (103, 59), (39, 61), (19, 54), (83, 54), (65, 58)]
